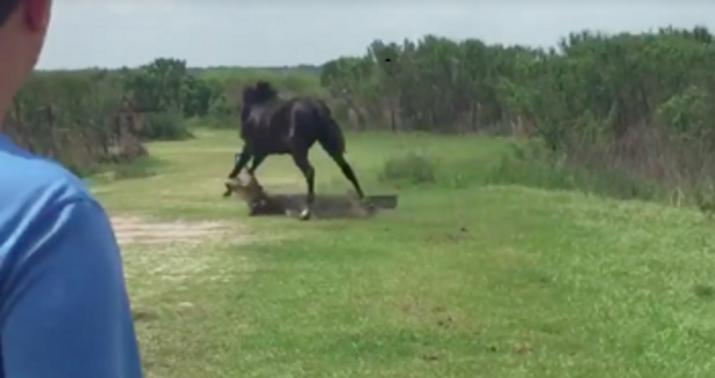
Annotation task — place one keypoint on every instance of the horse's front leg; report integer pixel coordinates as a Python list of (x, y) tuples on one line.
[(241, 160)]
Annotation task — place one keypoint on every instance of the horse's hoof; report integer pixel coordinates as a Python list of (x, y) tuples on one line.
[(305, 215)]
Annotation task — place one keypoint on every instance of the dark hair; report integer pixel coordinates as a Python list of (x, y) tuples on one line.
[(6, 9)]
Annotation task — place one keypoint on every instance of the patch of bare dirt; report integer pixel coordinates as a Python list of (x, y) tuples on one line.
[(131, 230)]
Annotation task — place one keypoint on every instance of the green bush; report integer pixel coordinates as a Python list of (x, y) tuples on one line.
[(688, 113), (165, 126), (412, 168), (534, 165)]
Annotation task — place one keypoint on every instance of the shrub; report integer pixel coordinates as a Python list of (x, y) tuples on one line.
[(165, 126), (412, 168), (688, 113), (534, 165)]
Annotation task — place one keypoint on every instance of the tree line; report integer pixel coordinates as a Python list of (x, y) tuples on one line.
[(86, 117), (642, 102), (444, 85)]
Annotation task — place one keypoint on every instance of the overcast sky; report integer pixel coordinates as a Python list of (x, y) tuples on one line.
[(113, 33)]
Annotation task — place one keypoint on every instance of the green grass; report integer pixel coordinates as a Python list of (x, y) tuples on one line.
[(465, 279)]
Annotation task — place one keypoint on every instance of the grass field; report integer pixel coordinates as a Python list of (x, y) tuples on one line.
[(465, 279)]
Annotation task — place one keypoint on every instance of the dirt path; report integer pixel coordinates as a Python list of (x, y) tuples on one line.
[(131, 230)]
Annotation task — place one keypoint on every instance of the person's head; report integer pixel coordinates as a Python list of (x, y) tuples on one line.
[(23, 25)]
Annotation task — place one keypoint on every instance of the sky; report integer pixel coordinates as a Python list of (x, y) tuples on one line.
[(116, 33)]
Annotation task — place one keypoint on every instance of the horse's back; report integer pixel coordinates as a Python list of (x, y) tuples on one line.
[(267, 128), (286, 125)]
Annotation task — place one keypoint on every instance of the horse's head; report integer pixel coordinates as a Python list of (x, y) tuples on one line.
[(262, 92), (259, 94)]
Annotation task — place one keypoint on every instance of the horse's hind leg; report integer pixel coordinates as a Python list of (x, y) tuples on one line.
[(348, 172), (301, 160)]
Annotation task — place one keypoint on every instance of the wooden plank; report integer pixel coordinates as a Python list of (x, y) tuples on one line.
[(382, 201)]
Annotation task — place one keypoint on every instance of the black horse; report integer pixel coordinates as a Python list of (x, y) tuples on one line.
[(272, 125)]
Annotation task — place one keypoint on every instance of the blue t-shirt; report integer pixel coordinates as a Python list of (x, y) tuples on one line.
[(64, 310)]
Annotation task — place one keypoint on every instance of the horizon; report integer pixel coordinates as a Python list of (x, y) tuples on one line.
[(110, 34), (318, 66)]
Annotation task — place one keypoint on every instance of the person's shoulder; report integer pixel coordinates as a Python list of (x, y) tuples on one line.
[(32, 182), (43, 205)]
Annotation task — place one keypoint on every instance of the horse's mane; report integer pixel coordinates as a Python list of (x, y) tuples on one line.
[(262, 92)]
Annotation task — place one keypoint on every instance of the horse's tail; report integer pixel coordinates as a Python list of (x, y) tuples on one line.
[(330, 136)]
